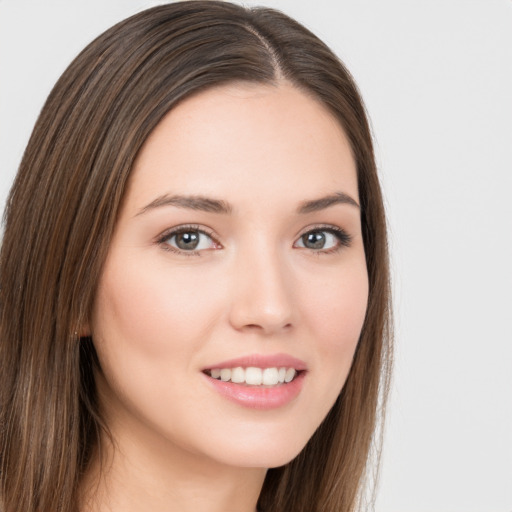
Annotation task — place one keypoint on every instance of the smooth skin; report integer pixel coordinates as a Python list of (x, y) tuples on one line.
[(263, 278)]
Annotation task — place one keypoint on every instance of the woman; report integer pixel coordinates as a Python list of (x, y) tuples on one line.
[(194, 280)]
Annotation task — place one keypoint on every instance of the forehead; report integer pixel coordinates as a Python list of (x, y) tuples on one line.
[(244, 141)]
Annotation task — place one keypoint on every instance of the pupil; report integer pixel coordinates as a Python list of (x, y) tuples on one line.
[(189, 240), (315, 240)]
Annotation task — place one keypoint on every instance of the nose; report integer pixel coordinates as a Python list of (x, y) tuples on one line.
[(262, 293)]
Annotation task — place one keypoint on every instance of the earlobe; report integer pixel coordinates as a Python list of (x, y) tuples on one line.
[(84, 331)]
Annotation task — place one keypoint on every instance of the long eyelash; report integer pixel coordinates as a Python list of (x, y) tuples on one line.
[(162, 239), (344, 238)]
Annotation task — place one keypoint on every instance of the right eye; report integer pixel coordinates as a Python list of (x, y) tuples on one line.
[(187, 239)]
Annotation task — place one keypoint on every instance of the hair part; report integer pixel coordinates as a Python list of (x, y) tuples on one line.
[(61, 214)]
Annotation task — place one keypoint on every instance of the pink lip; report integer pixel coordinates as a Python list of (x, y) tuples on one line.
[(262, 361), (255, 397)]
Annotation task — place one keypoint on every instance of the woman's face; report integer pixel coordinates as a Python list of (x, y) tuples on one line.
[(237, 253)]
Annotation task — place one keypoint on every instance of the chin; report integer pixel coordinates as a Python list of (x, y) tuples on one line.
[(261, 449)]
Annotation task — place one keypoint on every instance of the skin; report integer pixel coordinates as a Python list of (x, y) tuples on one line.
[(162, 316)]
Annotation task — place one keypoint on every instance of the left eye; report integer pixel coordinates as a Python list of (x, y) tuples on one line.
[(322, 239), (190, 240)]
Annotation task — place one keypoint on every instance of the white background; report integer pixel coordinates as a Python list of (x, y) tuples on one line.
[(437, 79)]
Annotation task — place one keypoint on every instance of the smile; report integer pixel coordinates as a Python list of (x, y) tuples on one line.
[(253, 376)]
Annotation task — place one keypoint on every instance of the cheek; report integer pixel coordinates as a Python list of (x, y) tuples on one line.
[(337, 306), (149, 324), (334, 314), (151, 310)]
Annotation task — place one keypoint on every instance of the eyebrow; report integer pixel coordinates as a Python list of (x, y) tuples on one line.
[(201, 203), (207, 204), (325, 202)]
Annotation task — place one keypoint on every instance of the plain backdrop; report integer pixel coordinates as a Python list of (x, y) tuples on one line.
[(437, 80)]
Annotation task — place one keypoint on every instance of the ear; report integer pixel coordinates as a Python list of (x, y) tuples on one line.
[(84, 331)]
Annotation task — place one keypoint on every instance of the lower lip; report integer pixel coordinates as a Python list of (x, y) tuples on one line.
[(255, 397)]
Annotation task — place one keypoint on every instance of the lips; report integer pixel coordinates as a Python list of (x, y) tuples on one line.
[(256, 381), (253, 376), (261, 361)]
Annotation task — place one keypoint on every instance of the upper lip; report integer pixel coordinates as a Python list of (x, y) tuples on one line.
[(261, 361)]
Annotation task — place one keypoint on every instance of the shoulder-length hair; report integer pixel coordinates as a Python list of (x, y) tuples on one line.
[(59, 220)]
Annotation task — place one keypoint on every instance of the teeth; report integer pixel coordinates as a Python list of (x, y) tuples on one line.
[(270, 376), (237, 375), (290, 374), (254, 376), (225, 374)]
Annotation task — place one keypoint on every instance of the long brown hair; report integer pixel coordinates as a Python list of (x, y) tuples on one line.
[(61, 213)]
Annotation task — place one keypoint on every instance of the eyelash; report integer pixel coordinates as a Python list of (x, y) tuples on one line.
[(343, 237), (164, 238)]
